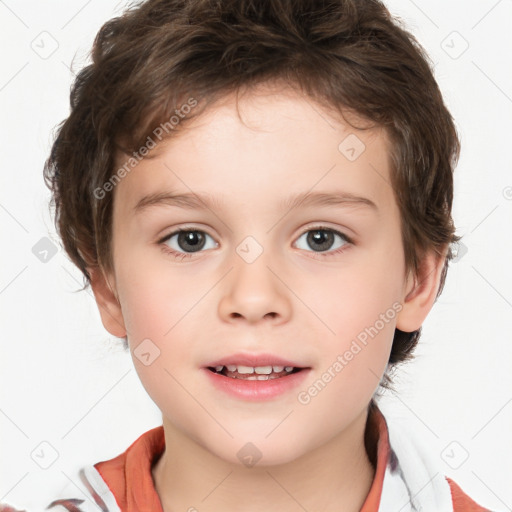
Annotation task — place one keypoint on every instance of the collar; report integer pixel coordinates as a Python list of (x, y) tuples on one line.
[(377, 446)]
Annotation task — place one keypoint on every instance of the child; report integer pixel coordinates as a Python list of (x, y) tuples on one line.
[(259, 194)]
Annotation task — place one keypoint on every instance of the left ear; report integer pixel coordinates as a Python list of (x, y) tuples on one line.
[(108, 302), (420, 292)]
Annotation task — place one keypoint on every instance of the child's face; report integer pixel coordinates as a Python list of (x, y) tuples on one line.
[(260, 285)]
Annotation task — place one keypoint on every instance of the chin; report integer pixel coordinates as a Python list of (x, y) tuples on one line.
[(260, 452)]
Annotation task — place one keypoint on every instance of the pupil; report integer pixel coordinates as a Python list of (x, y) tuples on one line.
[(321, 237), (193, 239)]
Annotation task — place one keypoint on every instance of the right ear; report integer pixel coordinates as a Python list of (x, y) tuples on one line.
[(108, 303)]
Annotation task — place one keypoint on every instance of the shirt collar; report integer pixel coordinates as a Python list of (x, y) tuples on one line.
[(377, 446)]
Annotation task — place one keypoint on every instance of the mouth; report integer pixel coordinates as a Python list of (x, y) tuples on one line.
[(262, 373), (256, 377)]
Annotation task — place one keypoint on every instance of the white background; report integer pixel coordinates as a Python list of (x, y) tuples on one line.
[(67, 382)]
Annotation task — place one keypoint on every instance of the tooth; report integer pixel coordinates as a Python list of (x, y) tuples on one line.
[(263, 370), (262, 377), (259, 370), (252, 377), (245, 369)]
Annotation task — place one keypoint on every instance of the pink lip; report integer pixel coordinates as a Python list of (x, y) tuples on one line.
[(253, 360), (256, 390)]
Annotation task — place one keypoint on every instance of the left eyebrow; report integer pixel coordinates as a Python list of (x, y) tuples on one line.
[(339, 199), (205, 201)]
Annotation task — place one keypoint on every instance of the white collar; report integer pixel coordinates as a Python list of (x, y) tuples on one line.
[(413, 481)]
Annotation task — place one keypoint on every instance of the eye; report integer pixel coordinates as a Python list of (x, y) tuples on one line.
[(187, 240), (323, 239)]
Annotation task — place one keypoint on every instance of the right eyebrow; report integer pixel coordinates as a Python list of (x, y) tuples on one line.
[(186, 200)]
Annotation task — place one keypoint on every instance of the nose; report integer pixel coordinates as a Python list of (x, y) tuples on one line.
[(255, 292)]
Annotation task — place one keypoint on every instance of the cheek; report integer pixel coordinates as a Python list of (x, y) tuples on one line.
[(160, 313), (345, 301), (357, 309), (156, 298), (347, 377)]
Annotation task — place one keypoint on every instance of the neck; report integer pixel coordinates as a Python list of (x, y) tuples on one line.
[(336, 476)]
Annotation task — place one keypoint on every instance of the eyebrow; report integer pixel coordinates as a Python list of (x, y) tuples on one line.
[(194, 201)]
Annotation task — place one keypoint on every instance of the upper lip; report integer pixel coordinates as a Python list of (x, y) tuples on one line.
[(254, 360)]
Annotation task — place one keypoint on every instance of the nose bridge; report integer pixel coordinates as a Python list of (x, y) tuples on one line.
[(253, 290)]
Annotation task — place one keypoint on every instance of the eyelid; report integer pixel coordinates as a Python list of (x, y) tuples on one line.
[(175, 231), (323, 227)]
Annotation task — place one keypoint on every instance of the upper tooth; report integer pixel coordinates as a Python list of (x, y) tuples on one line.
[(263, 370), (245, 369), (219, 368), (260, 370)]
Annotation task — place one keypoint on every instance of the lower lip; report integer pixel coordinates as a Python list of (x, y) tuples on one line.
[(257, 389)]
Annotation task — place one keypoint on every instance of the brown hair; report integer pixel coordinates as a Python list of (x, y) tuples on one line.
[(349, 55)]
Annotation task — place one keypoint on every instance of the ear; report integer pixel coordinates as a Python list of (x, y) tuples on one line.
[(108, 303), (421, 292)]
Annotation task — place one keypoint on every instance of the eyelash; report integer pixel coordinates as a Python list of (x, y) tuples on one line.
[(184, 255)]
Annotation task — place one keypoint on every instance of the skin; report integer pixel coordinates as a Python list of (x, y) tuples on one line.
[(294, 300)]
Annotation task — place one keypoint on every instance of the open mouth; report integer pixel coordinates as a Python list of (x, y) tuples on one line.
[(254, 372)]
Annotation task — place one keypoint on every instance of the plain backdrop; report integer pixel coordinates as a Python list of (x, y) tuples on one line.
[(70, 394)]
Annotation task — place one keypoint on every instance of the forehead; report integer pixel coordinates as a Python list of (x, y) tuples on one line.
[(263, 147)]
